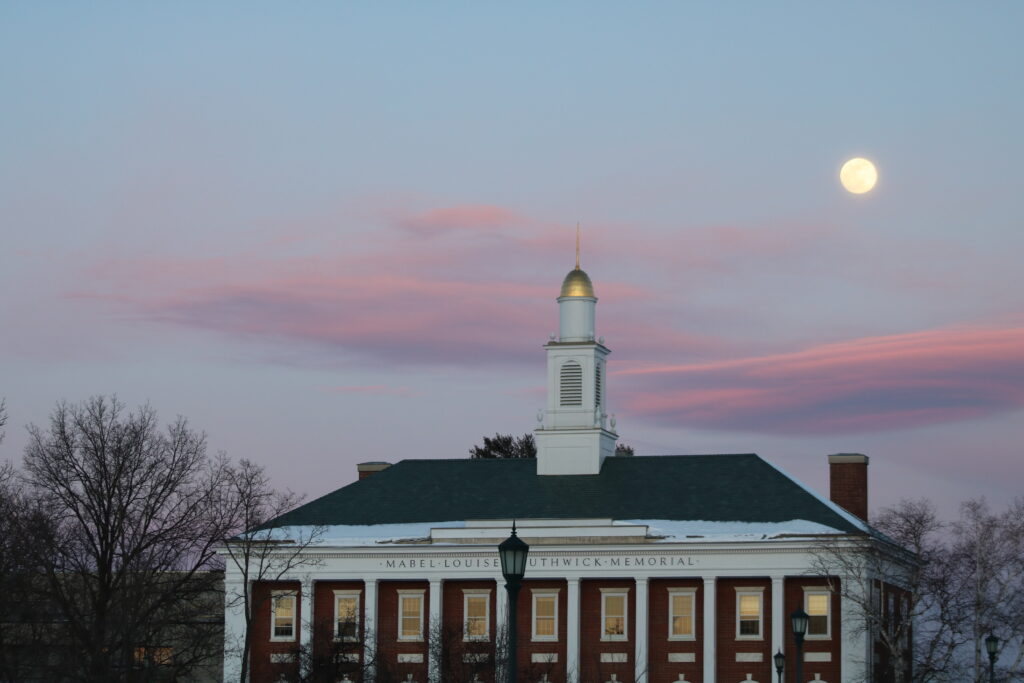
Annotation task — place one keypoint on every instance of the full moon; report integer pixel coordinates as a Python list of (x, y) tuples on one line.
[(858, 175)]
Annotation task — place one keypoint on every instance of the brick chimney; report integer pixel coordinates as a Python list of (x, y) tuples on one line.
[(848, 482), (368, 468)]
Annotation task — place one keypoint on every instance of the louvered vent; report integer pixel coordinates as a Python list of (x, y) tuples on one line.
[(572, 385), (597, 385)]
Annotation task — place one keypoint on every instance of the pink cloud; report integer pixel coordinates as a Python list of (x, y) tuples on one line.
[(372, 389), (463, 217), (870, 384)]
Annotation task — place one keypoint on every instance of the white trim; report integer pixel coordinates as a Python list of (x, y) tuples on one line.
[(819, 590), (275, 595), (759, 594), (692, 592), (543, 593), (357, 594), (615, 592), (484, 593), (404, 594)]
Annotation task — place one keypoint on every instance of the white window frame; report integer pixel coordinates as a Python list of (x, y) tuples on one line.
[(616, 592), (808, 592), (403, 594), (543, 593), (274, 596), (757, 591), (692, 593), (468, 593), (359, 602)]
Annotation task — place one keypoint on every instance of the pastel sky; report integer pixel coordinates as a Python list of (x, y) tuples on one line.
[(329, 232)]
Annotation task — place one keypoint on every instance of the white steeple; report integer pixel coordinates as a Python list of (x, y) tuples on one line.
[(573, 437)]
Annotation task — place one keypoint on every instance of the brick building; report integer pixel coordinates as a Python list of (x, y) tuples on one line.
[(641, 569)]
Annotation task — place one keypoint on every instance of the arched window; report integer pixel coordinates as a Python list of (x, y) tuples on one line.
[(571, 385)]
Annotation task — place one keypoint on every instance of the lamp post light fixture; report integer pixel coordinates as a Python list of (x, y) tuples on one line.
[(799, 619), (780, 663), (512, 551), (992, 647)]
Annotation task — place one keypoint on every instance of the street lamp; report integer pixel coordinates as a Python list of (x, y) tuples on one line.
[(992, 645), (799, 619), (780, 664), (512, 552)]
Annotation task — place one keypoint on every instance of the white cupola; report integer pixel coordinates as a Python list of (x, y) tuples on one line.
[(573, 436)]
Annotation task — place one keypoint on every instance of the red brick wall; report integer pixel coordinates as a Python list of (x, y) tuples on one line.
[(660, 670), (830, 671), (591, 628), (528, 671), (387, 631), (727, 645), (455, 646), (262, 647), (323, 617), (848, 486)]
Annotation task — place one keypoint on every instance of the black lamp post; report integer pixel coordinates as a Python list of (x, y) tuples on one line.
[(799, 619), (780, 663), (512, 552), (992, 646)]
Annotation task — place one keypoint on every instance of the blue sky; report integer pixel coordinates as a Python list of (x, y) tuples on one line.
[(334, 232)]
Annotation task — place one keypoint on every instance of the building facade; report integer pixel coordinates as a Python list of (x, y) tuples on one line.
[(641, 569)]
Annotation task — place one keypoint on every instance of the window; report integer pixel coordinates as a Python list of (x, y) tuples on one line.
[(613, 614), (749, 613), (410, 615), (282, 615), (680, 613), (571, 376), (476, 610), (597, 385), (816, 604), (346, 615), (545, 615), (154, 656)]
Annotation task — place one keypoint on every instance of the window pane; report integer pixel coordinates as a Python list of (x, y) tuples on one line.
[(411, 617), (750, 606), (614, 626), (750, 628), (817, 605), (614, 605), (348, 617), (546, 607), (476, 607), (817, 626)]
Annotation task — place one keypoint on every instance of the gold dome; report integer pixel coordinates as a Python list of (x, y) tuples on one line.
[(577, 283)]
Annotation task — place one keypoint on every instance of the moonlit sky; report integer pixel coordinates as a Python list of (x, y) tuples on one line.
[(329, 233)]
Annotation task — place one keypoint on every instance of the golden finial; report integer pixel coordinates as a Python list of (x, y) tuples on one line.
[(577, 245)]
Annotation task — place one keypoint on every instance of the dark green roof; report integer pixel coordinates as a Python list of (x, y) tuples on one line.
[(716, 488)]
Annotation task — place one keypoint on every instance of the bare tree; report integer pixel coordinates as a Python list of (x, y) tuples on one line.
[(898, 589), (127, 521), (259, 552), (988, 552)]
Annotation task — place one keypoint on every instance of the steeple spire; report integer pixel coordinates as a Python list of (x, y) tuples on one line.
[(577, 245)]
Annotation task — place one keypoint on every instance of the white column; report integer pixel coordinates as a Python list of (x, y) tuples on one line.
[(434, 629), (370, 627), (709, 630), (572, 632), (778, 615), (501, 620), (306, 625), (234, 629), (642, 627), (854, 644)]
